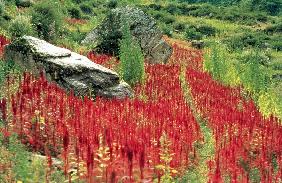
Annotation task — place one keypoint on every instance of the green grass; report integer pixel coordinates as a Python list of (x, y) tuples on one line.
[(205, 149)]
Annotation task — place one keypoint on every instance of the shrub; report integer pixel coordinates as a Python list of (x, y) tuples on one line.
[(20, 26), (131, 57), (193, 34), (47, 19), (159, 15), (276, 28), (172, 9), (245, 40), (85, 8), (112, 4), (156, 7), (2, 7), (23, 3), (277, 45), (77, 1), (206, 30), (167, 29), (218, 63), (179, 26), (74, 13), (168, 19), (254, 56)]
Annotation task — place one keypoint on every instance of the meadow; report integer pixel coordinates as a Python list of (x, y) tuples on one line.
[(206, 116)]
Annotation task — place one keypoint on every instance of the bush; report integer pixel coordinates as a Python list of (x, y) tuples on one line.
[(276, 28), (23, 3), (167, 29), (193, 34), (47, 19), (168, 19), (246, 40), (218, 63), (254, 56), (2, 7), (172, 9), (131, 57), (179, 26), (112, 4), (20, 26), (206, 30), (85, 8), (156, 7), (77, 1), (74, 13)]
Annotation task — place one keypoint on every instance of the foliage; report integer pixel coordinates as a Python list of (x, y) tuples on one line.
[(193, 34), (254, 75), (220, 66), (249, 70), (270, 102), (75, 12), (86, 8), (112, 4), (179, 26), (274, 28), (24, 3), (198, 31), (166, 157), (47, 19), (7, 68), (2, 7), (131, 57), (21, 165), (272, 7), (246, 40), (20, 26)]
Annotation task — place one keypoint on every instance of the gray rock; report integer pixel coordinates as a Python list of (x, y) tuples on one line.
[(143, 28), (119, 91), (199, 44), (69, 70)]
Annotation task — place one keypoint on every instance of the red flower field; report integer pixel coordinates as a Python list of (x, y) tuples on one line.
[(119, 140)]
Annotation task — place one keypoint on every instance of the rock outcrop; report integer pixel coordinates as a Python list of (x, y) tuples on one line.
[(143, 28), (69, 70)]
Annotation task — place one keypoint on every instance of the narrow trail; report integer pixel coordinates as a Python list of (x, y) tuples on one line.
[(205, 148)]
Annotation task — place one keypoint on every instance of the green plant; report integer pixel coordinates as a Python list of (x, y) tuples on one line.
[(218, 62), (167, 29), (74, 12), (179, 27), (193, 34), (131, 57), (23, 165), (86, 8), (23, 3), (20, 26), (166, 157), (2, 7), (206, 30), (254, 76), (7, 67), (47, 19), (112, 4)]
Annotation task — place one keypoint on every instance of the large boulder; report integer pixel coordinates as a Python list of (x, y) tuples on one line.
[(143, 28), (69, 70)]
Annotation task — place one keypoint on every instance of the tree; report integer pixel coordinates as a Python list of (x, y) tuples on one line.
[(131, 57), (47, 19)]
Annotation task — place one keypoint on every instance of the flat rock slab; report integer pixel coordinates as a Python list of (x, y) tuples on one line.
[(69, 70)]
